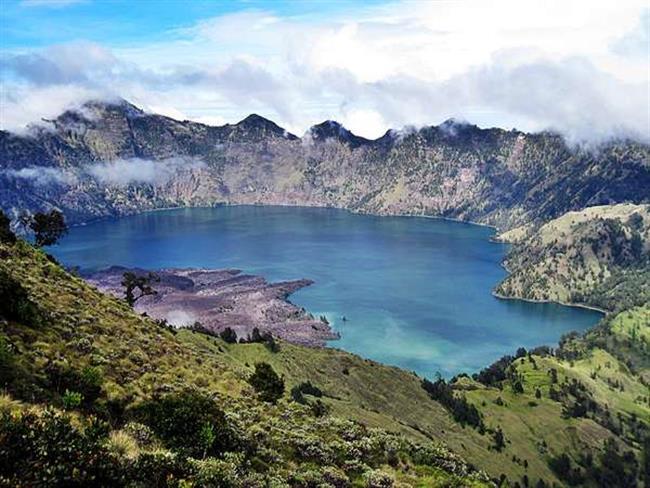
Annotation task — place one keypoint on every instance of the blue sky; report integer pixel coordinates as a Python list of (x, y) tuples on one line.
[(118, 22), (575, 66)]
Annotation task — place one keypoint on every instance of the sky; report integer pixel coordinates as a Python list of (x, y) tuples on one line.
[(578, 67)]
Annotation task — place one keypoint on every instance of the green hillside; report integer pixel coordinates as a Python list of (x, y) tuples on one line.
[(61, 337), (599, 256)]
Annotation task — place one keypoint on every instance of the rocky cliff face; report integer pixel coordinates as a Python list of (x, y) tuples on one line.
[(114, 159)]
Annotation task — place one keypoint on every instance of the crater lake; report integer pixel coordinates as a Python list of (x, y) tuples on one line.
[(416, 292)]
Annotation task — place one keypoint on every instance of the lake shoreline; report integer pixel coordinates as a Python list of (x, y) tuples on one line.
[(222, 298), (263, 261), (556, 302)]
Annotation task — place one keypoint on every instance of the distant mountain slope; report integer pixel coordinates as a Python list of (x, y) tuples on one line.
[(113, 159), (598, 256)]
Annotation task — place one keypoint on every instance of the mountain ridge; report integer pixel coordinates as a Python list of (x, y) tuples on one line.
[(490, 176)]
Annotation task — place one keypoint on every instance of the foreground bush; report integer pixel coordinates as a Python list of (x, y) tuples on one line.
[(189, 422), (267, 383), (16, 304), (48, 450)]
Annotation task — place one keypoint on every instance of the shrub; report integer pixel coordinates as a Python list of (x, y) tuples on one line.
[(461, 410), (377, 479), (71, 399), (319, 409), (561, 466), (267, 383), (158, 468), (48, 450), (16, 304), (6, 235), (305, 388), (217, 472), (87, 382), (142, 434), (228, 335), (189, 422), (7, 363), (499, 440)]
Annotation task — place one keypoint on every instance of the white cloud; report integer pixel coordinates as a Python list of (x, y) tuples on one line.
[(42, 176), (572, 66), (636, 43), (180, 318), (123, 172)]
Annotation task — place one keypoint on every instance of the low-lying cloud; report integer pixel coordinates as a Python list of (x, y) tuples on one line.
[(119, 173), (42, 176), (125, 172), (180, 318)]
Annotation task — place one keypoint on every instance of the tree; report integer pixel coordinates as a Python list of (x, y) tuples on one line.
[(499, 440), (228, 335), (142, 283), (267, 383), (461, 410), (6, 235), (635, 221), (517, 386), (48, 227)]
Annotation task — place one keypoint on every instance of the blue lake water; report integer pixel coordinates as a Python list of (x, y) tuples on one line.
[(416, 291)]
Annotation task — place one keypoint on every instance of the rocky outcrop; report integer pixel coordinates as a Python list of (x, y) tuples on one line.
[(223, 298), (114, 159)]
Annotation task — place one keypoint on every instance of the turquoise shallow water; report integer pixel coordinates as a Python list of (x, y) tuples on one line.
[(416, 291)]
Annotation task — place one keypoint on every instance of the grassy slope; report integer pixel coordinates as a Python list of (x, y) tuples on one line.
[(584, 256)]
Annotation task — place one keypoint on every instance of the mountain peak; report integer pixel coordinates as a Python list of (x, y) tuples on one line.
[(330, 129), (260, 126), (95, 109)]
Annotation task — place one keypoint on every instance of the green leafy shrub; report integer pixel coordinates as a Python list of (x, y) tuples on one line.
[(267, 383), (87, 382), (7, 363), (160, 469), (377, 479), (71, 399), (48, 450), (189, 422), (223, 473)]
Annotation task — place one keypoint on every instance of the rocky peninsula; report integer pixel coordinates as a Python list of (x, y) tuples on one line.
[(223, 298)]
